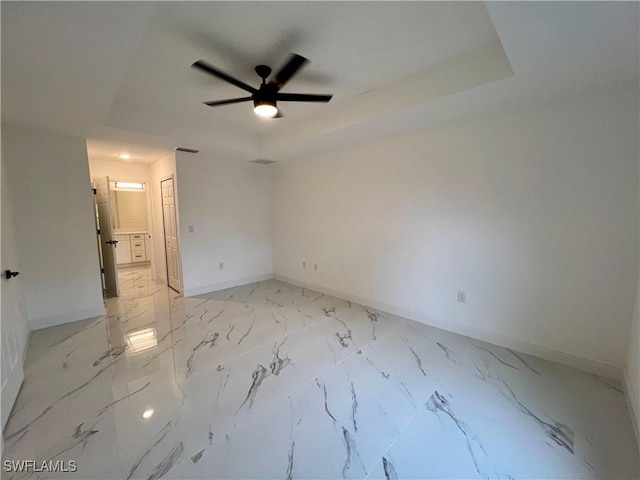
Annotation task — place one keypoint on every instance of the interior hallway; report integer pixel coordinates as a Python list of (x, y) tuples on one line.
[(270, 380)]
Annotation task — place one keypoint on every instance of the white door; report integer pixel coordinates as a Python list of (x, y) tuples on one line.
[(12, 342), (170, 233), (13, 328), (97, 222), (108, 243)]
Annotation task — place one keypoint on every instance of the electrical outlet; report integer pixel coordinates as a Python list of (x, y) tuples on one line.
[(304, 264), (221, 265), (462, 296), (315, 267)]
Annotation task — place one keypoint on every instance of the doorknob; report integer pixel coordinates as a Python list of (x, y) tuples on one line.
[(9, 274), (112, 242)]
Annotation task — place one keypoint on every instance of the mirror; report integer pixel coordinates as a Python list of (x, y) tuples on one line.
[(129, 210)]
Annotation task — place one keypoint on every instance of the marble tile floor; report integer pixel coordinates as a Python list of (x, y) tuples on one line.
[(270, 380)]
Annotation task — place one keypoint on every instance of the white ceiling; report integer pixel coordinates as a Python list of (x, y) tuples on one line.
[(118, 73)]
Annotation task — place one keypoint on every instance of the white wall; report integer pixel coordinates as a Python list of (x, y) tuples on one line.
[(119, 170), (632, 368), (228, 203), (159, 171), (55, 226), (533, 213)]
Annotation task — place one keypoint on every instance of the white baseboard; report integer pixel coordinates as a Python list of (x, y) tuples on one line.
[(190, 292), (581, 363), (41, 323), (634, 406)]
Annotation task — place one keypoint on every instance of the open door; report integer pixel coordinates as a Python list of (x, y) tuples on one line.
[(107, 243), (170, 233), (13, 328)]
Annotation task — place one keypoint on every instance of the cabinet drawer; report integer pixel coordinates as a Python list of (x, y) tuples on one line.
[(137, 245), (137, 236), (138, 257), (121, 238)]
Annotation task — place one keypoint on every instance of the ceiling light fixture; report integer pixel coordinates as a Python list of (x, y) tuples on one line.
[(130, 185), (124, 156), (265, 108), (147, 413)]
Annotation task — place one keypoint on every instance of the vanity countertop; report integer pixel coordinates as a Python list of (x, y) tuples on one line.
[(133, 232)]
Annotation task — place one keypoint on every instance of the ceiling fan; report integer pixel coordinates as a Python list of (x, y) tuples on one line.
[(265, 97)]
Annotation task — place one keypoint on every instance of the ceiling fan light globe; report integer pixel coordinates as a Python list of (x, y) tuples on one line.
[(266, 110)]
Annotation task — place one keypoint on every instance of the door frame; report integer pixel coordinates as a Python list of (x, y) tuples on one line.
[(148, 193)]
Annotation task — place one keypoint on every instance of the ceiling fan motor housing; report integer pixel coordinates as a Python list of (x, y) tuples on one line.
[(266, 94)]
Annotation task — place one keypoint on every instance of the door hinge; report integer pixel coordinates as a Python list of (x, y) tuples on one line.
[(102, 270), (98, 231), (95, 191)]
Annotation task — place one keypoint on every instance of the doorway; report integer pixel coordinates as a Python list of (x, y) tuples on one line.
[(124, 227), (131, 223)]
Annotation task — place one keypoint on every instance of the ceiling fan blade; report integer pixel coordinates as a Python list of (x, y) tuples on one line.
[(289, 70), (215, 103), (205, 67), (302, 97)]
